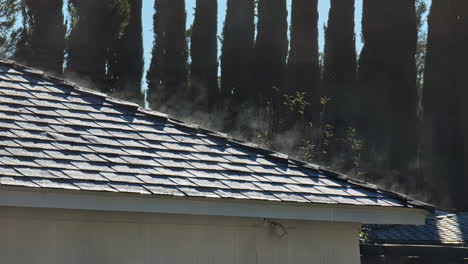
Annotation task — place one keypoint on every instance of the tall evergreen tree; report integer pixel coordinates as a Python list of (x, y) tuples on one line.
[(154, 74), (271, 49), (175, 71), (126, 58), (339, 71), (459, 184), (168, 72), (444, 101), (96, 26), (237, 50), (42, 43), (204, 53), (387, 76), (303, 60)]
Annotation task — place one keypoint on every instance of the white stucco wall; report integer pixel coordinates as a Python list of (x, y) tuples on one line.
[(46, 236)]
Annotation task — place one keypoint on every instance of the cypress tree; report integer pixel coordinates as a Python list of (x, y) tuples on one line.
[(154, 74), (168, 72), (460, 182), (271, 49), (175, 71), (339, 71), (303, 60), (237, 49), (387, 76), (96, 26), (42, 43), (204, 53), (405, 122), (86, 48), (126, 63), (445, 110)]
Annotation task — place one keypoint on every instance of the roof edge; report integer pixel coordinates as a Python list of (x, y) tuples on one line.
[(218, 135), (84, 200)]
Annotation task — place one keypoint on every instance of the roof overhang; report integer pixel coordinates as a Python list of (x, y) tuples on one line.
[(100, 201)]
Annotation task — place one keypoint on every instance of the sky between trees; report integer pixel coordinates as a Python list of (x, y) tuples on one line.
[(323, 7)]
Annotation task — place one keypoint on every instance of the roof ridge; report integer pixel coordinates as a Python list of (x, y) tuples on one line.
[(215, 134)]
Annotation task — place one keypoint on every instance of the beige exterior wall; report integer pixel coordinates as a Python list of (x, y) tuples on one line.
[(43, 236)]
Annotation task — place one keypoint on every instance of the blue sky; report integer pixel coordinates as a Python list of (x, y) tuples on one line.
[(148, 10)]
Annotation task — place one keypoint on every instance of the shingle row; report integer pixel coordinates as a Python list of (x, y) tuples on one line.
[(442, 229), (56, 136)]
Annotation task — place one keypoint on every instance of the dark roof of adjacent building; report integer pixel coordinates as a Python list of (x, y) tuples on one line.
[(54, 134), (439, 229)]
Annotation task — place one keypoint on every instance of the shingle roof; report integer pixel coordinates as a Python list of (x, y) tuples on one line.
[(54, 134), (441, 229)]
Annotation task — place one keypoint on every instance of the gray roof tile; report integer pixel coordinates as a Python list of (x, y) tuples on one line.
[(173, 172), (260, 195), (56, 135), (276, 187), (8, 142), (15, 181), (155, 180), (207, 174), (164, 190), (303, 189), (47, 183), (241, 176), (198, 192), (94, 186), (82, 175), (210, 183), (443, 228), (9, 171), (182, 181), (240, 185), (321, 199), (36, 172), (234, 194), (129, 188), (290, 197), (119, 177), (16, 161)]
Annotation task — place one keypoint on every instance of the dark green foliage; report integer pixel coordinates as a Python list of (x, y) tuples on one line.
[(9, 35), (303, 61), (126, 58), (168, 72), (42, 43), (175, 71), (96, 26), (237, 50), (157, 63), (445, 108), (204, 54), (271, 49), (387, 77), (459, 183), (308, 105), (339, 71), (340, 47)]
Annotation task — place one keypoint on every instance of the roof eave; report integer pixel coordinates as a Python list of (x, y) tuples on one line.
[(100, 201)]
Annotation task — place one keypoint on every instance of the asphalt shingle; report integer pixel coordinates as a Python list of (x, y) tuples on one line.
[(443, 228), (56, 135)]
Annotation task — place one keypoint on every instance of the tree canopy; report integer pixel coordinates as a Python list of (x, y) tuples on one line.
[(393, 113)]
